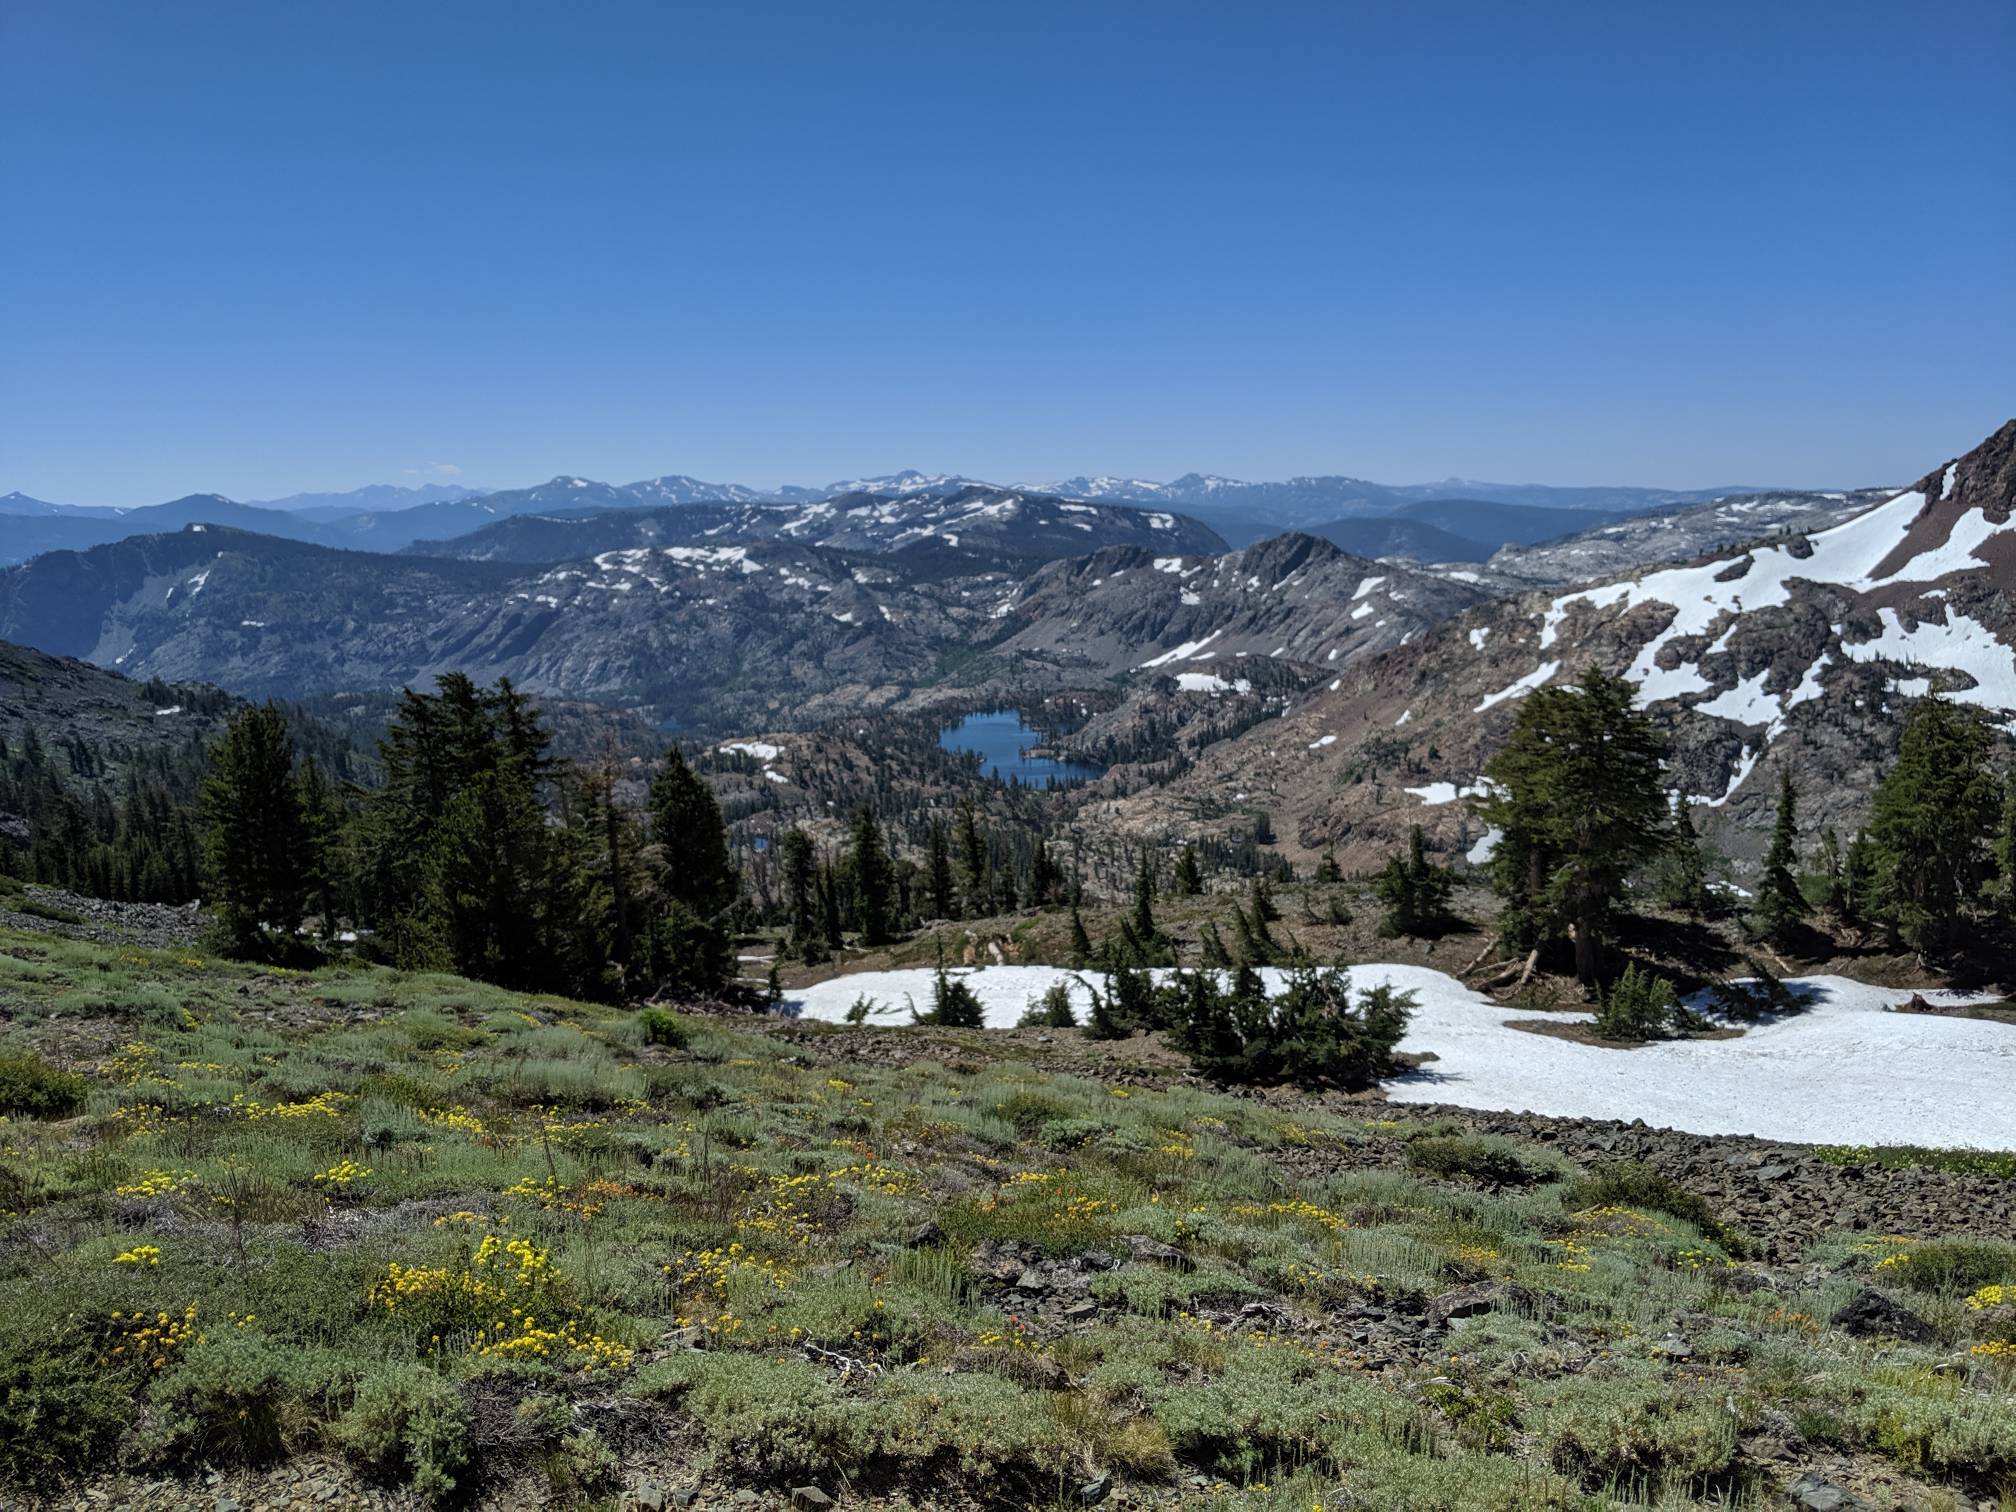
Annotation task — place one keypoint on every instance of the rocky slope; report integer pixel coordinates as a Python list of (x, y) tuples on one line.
[(1804, 651), (979, 521)]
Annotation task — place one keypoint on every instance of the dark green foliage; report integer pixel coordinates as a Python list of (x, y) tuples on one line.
[(1144, 899), (1327, 869), (662, 1028), (1683, 879), (60, 1412), (970, 855), (256, 840), (804, 922), (688, 957), (32, 1088), (229, 1400), (872, 879), (1482, 1159), (1414, 892), (1081, 943), (1052, 1010), (1780, 906), (692, 841), (1579, 803), (1189, 875), (953, 1003), (458, 865), (1930, 824), (1311, 1034), (1632, 1183), (1639, 1005)]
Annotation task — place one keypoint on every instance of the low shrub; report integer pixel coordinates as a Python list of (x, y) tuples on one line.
[(1951, 1265), (60, 1413), (1050, 1011), (1480, 1158), (408, 1421), (662, 1028), (30, 1086), (1639, 1005), (233, 1398), (1632, 1183)]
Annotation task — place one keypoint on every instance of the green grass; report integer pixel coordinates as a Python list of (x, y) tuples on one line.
[(200, 1234)]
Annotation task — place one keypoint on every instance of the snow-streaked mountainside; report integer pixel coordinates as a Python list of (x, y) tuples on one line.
[(973, 519), (1124, 610), (1804, 650)]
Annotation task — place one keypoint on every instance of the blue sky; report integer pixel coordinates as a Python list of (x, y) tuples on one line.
[(265, 247)]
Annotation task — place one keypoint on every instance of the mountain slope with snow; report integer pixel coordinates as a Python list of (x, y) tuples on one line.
[(1804, 650)]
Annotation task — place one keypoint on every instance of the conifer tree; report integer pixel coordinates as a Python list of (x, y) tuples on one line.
[(1578, 801), (691, 839), (256, 837), (1081, 943), (1043, 877), (970, 847), (804, 919), (2002, 894), (871, 868), (938, 871), (1931, 822), (1144, 900), (1189, 875), (1780, 906), (1415, 892), (322, 820), (1684, 883)]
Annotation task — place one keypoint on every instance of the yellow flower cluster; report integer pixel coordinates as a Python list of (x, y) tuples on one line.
[(1179, 1143), (321, 1105), (1992, 1296), (872, 1173), (341, 1174), (498, 1271), (554, 1195), (1476, 1254), (142, 1118), (1694, 1260), (712, 1268), (1574, 1256), (153, 1338), (1308, 1212), (457, 1118), (565, 1344), (1995, 1349), (464, 1218), (140, 1254), (158, 1184), (1032, 1178)]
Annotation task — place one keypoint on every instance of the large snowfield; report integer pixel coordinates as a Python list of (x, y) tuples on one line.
[(1845, 1071)]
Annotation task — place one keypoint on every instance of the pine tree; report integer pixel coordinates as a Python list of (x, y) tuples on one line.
[(1780, 906), (1833, 875), (1144, 901), (971, 847), (691, 839), (1327, 869), (1189, 875), (1858, 880), (1931, 822), (1684, 883), (938, 870), (1414, 891), (2002, 894), (1212, 944), (870, 864), (322, 820), (1578, 801), (804, 922), (256, 841), (1081, 943), (954, 1005)]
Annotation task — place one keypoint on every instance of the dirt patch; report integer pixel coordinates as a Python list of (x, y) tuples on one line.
[(1585, 1034)]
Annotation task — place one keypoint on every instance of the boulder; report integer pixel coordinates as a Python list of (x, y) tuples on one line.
[(1871, 1315)]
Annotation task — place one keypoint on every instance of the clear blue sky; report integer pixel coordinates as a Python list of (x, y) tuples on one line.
[(264, 247)]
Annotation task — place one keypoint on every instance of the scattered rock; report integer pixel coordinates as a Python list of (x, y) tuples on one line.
[(926, 1236), (1817, 1494), (809, 1496), (1483, 1297), (1096, 1491), (1871, 1315), (1155, 1252)]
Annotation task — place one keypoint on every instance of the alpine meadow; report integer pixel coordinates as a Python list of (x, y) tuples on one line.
[(1212, 984)]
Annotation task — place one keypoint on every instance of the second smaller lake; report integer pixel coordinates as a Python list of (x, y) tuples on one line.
[(1002, 741)]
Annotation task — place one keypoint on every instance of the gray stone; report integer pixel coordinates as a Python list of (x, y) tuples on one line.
[(1094, 1492), (1155, 1252), (809, 1497), (1871, 1315), (1816, 1494), (925, 1236)]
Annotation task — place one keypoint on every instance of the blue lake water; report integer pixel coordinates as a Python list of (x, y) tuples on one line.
[(1001, 739)]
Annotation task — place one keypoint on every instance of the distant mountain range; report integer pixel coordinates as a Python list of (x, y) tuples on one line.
[(388, 517)]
